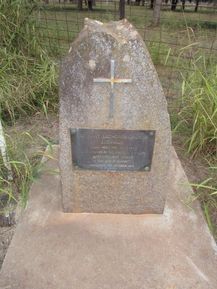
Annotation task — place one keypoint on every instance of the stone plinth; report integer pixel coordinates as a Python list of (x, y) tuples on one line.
[(53, 250)]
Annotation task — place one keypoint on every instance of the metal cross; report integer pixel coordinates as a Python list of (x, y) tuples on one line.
[(112, 81)]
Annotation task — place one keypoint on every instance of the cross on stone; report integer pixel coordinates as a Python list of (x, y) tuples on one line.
[(112, 80)]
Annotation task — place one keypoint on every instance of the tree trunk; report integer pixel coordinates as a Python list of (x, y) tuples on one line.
[(197, 4), (152, 4), (90, 5), (173, 6), (156, 12)]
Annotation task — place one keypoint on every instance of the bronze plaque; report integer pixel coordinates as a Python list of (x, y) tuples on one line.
[(112, 150)]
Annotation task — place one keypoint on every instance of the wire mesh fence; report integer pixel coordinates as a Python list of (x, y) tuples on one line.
[(59, 23), (182, 37)]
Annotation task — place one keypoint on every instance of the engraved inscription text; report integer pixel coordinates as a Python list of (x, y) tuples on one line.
[(112, 150)]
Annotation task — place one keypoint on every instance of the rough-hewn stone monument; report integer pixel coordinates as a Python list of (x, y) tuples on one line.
[(115, 139), (115, 156)]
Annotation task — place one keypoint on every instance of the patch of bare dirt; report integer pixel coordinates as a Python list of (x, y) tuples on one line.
[(196, 169), (38, 124)]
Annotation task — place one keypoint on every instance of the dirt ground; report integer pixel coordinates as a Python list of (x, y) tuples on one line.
[(48, 128)]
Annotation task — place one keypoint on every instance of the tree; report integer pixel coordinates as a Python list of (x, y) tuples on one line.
[(196, 6), (89, 4), (152, 4), (156, 12), (173, 6)]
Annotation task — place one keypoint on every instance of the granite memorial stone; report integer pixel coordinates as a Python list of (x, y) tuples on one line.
[(115, 139)]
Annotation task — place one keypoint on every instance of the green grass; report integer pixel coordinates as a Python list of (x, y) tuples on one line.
[(28, 84), (198, 115), (25, 164), (22, 169), (206, 192), (195, 121), (27, 72)]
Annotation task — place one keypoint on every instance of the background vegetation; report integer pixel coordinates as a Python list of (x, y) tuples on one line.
[(27, 85), (27, 72)]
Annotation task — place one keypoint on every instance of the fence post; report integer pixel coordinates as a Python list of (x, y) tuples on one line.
[(80, 4), (122, 9), (3, 152)]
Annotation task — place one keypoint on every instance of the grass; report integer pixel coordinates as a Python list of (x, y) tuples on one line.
[(206, 192), (198, 115), (27, 85), (196, 123), (23, 170), (27, 72), (25, 164)]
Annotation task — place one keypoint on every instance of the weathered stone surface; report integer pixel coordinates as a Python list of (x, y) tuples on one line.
[(53, 250), (139, 105)]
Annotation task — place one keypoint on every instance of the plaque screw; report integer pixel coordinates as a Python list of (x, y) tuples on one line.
[(151, 133), (147, 168)]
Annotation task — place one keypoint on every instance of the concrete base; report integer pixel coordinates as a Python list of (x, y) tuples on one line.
[(53, 250)]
